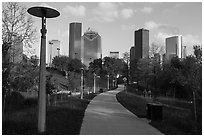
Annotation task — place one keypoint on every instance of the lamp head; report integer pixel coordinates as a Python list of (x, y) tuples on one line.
[(43, 12)]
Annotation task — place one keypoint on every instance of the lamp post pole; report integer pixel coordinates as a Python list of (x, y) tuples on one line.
[(82, 82), (43, 13), (94, 82), (108, 81)]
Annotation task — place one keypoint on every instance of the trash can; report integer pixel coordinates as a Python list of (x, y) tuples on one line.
[(148, 110), (101, 90), (154, 111)]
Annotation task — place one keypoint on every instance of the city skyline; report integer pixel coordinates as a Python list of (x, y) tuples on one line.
[(117, 21)]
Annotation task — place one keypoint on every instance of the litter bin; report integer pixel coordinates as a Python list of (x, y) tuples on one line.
[(154, 111), (148, 110), (101, 90)]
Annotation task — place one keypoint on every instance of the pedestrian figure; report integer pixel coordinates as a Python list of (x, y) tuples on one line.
[(144, 92), (150, 93)]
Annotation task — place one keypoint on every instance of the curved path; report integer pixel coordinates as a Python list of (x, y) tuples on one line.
[(106, 116)]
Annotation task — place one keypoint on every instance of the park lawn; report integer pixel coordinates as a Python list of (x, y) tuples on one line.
[(175, 121), (63, 119)]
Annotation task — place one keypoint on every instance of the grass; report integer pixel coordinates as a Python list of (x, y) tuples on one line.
[(175, 121), (63, 119)]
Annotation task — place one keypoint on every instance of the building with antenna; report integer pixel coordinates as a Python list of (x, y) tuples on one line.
[(91, 46)]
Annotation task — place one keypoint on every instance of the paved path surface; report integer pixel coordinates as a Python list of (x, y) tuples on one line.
[(106, 116)]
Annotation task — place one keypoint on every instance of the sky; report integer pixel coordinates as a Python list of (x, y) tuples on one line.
[(116, 22)]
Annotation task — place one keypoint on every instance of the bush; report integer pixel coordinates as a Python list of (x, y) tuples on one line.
[(30, 102), (14, 101)]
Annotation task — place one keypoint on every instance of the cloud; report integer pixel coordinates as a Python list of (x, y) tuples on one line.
[(178, 5), (128, 27), (79, 11), (147, 10), (106, 12), (151, 25), (160, 31), (169, 29), (127, 13), (189, 41)]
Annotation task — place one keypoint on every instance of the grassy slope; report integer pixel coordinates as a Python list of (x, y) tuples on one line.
[(64, 118)]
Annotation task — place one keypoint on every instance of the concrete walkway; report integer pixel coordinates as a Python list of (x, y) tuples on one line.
[(106, 116)]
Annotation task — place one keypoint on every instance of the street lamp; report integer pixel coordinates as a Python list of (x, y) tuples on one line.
[(82, 82), (108, 81), (42, 12), (94, 82)]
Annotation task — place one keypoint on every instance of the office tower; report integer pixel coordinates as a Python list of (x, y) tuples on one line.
[(174, 47), (91, 46), (132, 53), (141, 43), (114, 55), (53, 50), (184, 52), (75, 40), (132, 63), (16, 52)]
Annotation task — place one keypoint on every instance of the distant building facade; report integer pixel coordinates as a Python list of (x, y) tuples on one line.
[(132, 53), (141, 41), (174, 47), (75, 30), (184, 52), (53, 50), (91, 46), (114, 54)]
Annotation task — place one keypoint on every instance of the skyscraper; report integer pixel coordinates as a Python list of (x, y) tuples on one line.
[(174, 47), (53, 50), (91, 46), (184, 52), (141, 43), (132, 53), (75, 40)]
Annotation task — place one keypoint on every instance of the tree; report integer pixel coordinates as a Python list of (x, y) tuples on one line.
[(96, 66), (60, 62), (198, 52), (144, 69), (155, 49), (17, 27), (64, 63), (126, 58), (34, 60)]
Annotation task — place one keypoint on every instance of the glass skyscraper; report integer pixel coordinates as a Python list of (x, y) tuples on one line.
[(91, 46), (141, 43), (75, 40)]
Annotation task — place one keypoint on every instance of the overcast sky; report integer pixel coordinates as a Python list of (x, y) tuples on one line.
[(117, 21)]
